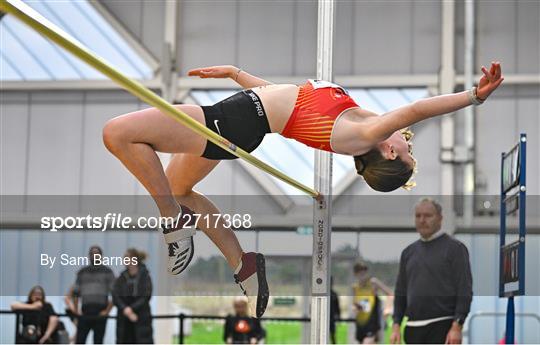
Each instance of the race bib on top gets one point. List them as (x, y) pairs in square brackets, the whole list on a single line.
[(321, 84)]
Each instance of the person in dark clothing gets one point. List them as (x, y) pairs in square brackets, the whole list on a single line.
[(39, 318), (335, 311), (131, 295), (93, 285), (241, 328), (434, 284)]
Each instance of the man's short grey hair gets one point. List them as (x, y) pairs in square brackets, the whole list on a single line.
[(433, 202)]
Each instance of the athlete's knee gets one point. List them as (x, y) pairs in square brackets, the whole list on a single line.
[(181, 190), (114, 136)]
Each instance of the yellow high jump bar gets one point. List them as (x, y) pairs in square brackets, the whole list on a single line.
[(40, 24)]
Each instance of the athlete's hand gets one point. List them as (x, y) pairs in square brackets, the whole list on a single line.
[(489, 81), (226, 71)]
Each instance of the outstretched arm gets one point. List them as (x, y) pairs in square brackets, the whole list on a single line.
[(383, 126), (240, 76)]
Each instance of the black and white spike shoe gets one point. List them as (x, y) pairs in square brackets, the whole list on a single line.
[(179, 240), (250, 275)]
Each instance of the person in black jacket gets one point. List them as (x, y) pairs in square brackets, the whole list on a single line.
[(39, 318), (434, 284), (241, 328), (131, 295)]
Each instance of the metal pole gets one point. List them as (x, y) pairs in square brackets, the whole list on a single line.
[(181, 329), (446, 85), (522, 210), (320, 284), (169, 52), (468, 116), (502, 231), (510, 321), (17, 323)]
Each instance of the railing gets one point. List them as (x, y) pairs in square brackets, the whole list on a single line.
[(181, 318), (478, 314)]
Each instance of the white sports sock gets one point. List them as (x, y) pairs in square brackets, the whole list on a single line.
[(238, 268)]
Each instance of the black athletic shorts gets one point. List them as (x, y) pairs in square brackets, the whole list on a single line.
[(241, 119)]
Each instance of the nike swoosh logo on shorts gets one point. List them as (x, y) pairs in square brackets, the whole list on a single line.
[(216, 124)]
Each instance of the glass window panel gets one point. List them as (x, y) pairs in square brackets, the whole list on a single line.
[(114, 38), (389, 98), (7, 72), (44, 51), (366, 100), (81, 21), (67, 16), (19, 55)]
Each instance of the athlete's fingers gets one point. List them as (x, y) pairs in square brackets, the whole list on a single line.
[(194, 71), (198, 71), (498, 71), (486, 73), (493, 68)]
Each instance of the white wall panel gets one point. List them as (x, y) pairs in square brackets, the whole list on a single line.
[(54, 157), (499, 121), (383, 37), (371, 37), (528, 37), (13, 144), (280, 38), (265, 42), (102, 173), (208, 34), (304, 44)]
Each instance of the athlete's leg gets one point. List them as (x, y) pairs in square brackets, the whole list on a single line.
[(184, 172), (135, 137)]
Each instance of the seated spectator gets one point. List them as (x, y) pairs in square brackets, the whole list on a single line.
[(39, 320), (131, 295), (241, 328)]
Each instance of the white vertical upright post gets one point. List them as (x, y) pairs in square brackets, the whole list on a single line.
[(468, 113), (447, 84), (320, 285)]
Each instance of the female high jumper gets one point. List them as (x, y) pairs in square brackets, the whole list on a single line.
[(318, 113)]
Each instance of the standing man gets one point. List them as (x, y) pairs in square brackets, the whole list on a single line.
[(93, 286), (434, 285)]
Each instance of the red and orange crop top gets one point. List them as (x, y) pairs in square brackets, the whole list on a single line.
[(318, 106)]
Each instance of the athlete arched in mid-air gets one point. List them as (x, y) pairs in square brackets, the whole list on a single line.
[(319, 114)]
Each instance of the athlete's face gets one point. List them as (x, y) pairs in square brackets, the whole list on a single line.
[(396, 146), (427, 219)]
